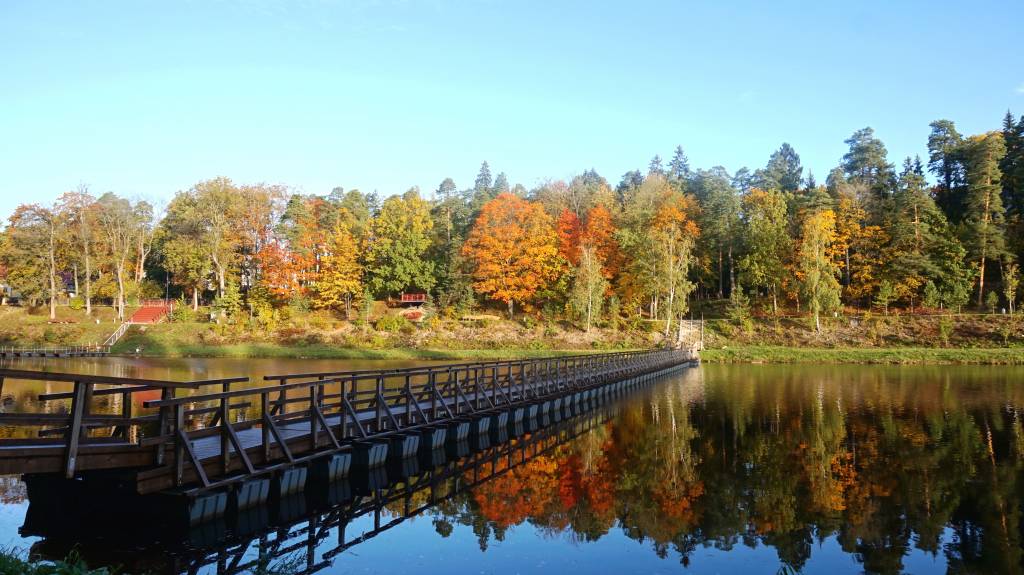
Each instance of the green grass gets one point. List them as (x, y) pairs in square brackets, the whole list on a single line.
[(893, 356), (13, 563), (173, 343), (20, 326)]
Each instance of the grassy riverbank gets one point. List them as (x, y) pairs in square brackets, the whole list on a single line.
[(889, 356), (323, 351), (852, 338), (315, 336)]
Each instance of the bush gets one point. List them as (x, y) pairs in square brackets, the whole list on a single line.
[(392, 323), (182, 312), (945, 329), (77, 303)]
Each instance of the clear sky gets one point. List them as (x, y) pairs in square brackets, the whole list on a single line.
[(145, 98)]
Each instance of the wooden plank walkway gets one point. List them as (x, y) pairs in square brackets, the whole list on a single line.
[(195, 439)]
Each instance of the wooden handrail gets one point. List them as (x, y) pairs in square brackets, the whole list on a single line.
[(110, 380), (236, 393), (443, 367)]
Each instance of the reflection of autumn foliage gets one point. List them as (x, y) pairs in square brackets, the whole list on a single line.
[(521, 493), (883, 467), (676, 502)]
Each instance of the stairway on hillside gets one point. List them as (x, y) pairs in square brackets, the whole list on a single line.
[(151, 312)]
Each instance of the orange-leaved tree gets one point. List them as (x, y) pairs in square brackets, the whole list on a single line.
[(283, 272), (599, 233), (514, 249), (569, 233)]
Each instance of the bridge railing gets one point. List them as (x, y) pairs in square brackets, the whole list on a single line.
[(335, 408), (95, 404), (213, 432)]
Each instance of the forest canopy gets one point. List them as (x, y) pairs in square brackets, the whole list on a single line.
[(945, 231)]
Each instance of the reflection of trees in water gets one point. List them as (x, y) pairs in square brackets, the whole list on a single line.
[(886, 464), (12, 490)]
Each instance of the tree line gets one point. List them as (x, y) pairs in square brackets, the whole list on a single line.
[(873, 234)]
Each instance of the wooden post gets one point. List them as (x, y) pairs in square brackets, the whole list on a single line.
[(179, 446), (165, 423), (225, 440), (313, 421), (380, 412), (432, 383), (264, 428), (74, 432)]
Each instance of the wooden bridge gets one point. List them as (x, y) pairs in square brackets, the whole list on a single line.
[(318, 526), (197, 436)]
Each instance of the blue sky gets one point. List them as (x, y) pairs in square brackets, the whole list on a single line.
[(146, 98)]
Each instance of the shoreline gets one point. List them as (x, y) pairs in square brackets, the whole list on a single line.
[(725, 355), (865, 355), (272, 351)]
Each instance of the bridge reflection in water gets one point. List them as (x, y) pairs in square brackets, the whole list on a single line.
[(824, 469), (302, 532)]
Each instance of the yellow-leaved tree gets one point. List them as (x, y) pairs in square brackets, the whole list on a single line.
[(816, 268), (341, 274)]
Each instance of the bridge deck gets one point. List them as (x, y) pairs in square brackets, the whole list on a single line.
[(210, 439)]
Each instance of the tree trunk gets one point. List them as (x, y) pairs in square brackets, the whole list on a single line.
[(120, 290), (511, 309), (981, 281), (721, 274), (732, 273), (195, 298), (53, 277), (88, 284)]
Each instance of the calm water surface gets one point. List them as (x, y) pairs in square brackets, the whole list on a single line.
[(721, 469)]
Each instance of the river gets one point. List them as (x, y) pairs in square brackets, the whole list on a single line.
[(719, 469)]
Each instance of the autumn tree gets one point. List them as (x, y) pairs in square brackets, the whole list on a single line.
[(570, 231), (599, 233), (217, 221), (32, 252), (514, 250), (340, 278), (588, 287), (79, 210), (816, 267), (121, 223), (674, 230)]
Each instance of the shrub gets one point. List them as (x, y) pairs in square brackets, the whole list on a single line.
[(183, 312), (391, 323), (945, 329), (77, 303)]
